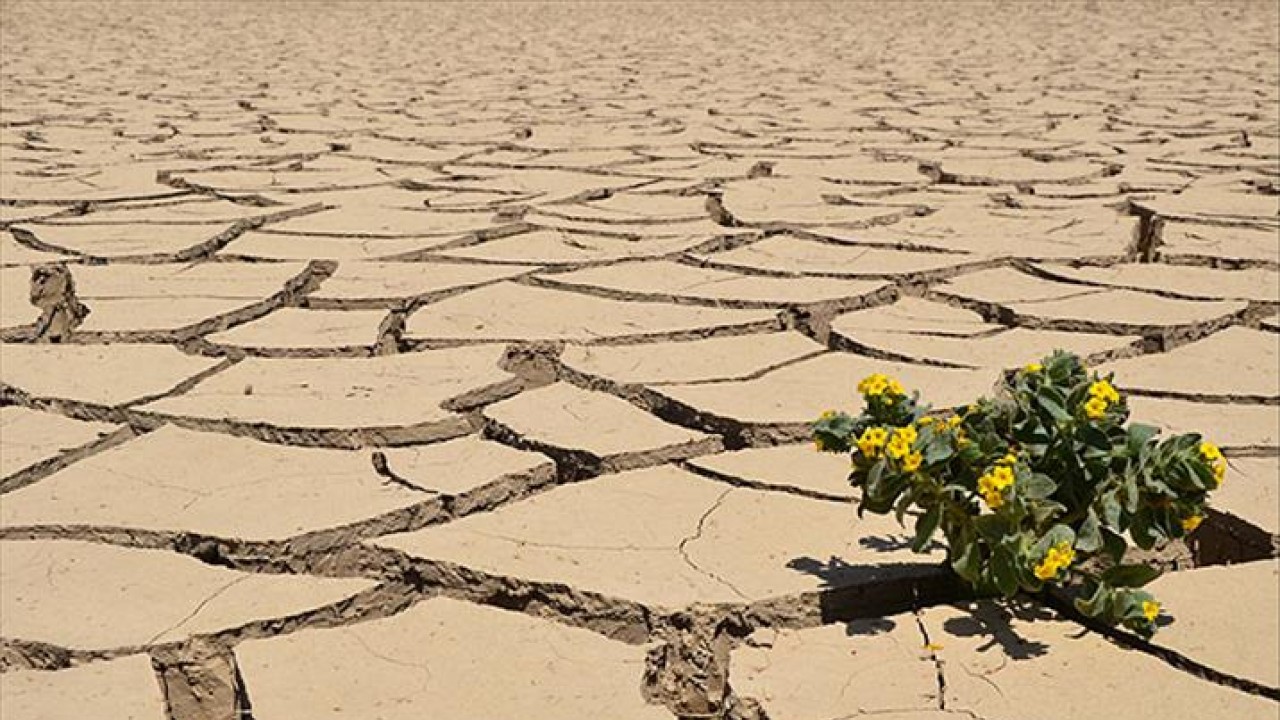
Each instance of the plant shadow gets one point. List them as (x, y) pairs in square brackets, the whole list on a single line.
[(864, 597), (894, 543), (992, 619)]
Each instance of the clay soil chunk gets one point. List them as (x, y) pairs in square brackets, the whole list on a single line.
[(1224, 617), (396, 391), (994, 666), (554, 247), (514, 312), (1000, 232), (174, 480), (1006, 668), (459, 466), (664, 279), (791, 254), (1258, 284), (170, 297), (123, 597), (122, 689), (960, 337), (789, 468), (16, 309), (365, 282), (658, 363), (116, 240), (1212, 241), (265, 246), (798, 201), (1121, 310), (368, 221), (878, 666), (449, 659), (102, 374), (563, 416), (305, 329), (666, 538), (800, 392), (1007, 171), (1235, 362), (28, 437), (1251, 492), (912, 315)]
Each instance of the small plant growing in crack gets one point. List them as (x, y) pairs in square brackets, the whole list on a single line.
[(1045, 484)]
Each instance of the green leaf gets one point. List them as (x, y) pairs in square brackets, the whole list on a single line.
[(1140, 435), (1130, 576), (1004, 571), (1051, 400), (1131, 495), (1038, 486), (1110, 508), (1096, 604), (1057, 534), (991, 528), (967, 561), (1046, 510), (1089, 536), (937, 449), (926, 525), (904, 502), (1113, 544), (1096, 442), (1143, 530)]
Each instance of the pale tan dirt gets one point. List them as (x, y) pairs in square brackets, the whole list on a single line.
[(457, 360)]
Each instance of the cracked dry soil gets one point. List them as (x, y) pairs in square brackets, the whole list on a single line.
[(385, 361)]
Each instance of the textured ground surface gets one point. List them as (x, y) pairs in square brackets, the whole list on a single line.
[(454, 361)]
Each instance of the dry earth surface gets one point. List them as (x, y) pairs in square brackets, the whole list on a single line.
[(454, 361)]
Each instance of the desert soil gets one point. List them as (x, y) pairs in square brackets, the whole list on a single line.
[(389, 361)]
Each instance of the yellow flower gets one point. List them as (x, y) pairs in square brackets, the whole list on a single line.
[(1105, 391), (880, 384), (1210, 452), (926, 421), (1059, 556), (1219, 473), (872, 440), (911, 463), (1095, 408), (954, 421), (898, 447), (818, 444), (1008, 459), (1150, 610), (907, 433), (872, 384), (1191, 523), (1032, 368), (993, 484), (827, 415)]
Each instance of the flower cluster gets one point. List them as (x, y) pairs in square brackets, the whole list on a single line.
[(878, 385), (1101, 397), (1044, 484), (1058, 558), (1213, 456), (996, 480)]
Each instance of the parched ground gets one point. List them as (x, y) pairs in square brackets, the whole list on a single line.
[(454, 361)]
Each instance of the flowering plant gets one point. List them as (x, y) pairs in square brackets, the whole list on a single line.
[(1044, 484)]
